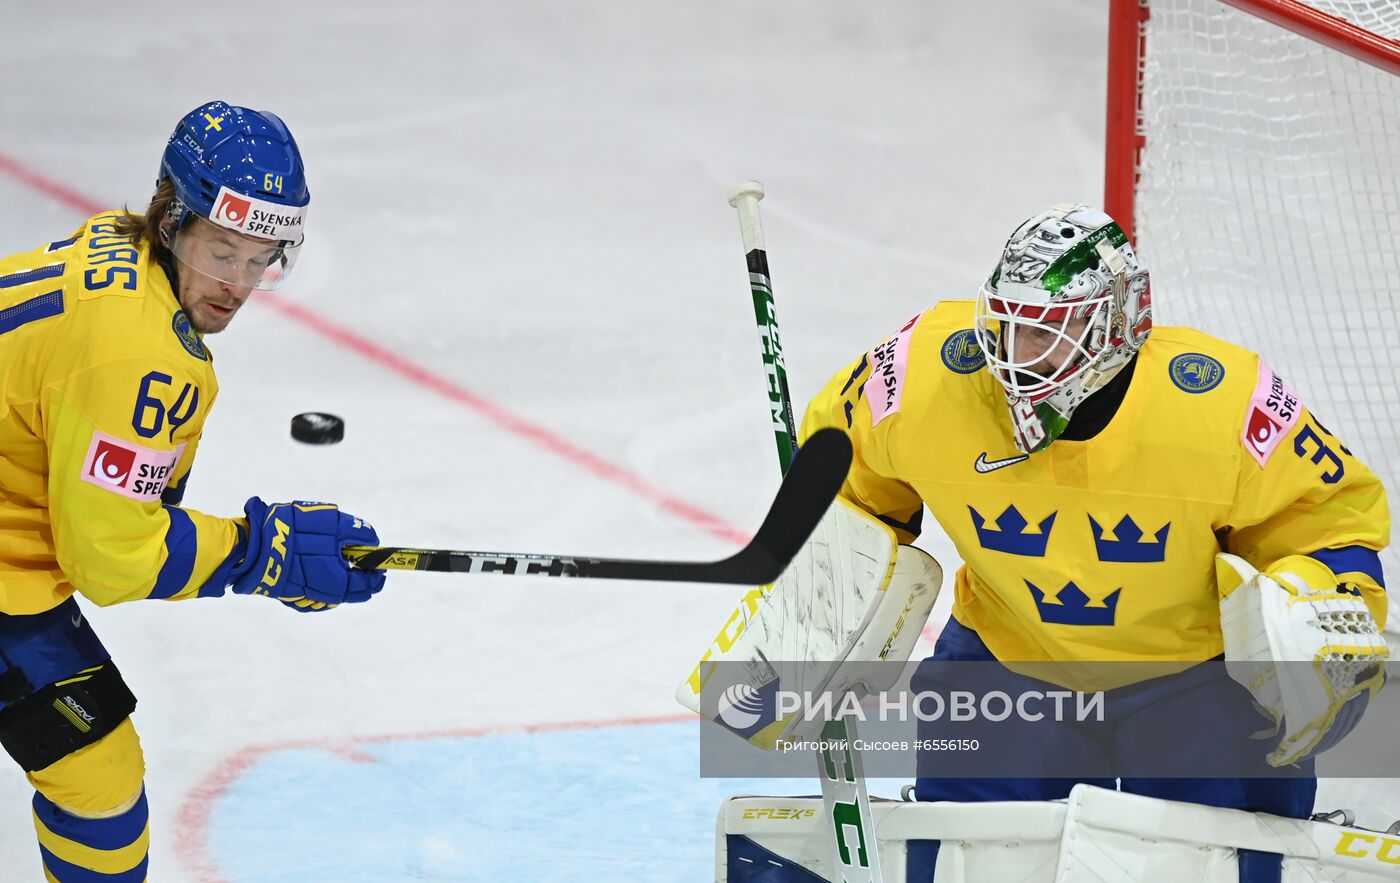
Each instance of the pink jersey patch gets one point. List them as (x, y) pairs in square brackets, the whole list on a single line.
[(127, 468), (1273, 411), (888, 363)]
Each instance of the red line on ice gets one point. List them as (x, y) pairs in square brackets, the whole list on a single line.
[(50, 188), (192, 820), (422, 377)]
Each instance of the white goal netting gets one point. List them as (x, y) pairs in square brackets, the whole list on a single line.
[(1268, 208)]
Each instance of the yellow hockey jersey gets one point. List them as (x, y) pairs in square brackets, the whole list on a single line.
[(104, 389), (1103, 549)]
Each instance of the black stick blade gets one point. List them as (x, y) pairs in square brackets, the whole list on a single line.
[(806, 494)]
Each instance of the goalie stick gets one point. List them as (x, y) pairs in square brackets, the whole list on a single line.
[(848, 822), (806, 493)]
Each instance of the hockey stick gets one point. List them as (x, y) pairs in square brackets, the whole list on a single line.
[(745, 197), (802, 500), (845, 800)]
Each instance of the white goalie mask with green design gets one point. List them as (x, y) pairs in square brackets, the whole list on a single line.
[(1064, 311)]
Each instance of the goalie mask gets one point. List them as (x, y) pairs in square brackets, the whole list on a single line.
[(1064, 311)]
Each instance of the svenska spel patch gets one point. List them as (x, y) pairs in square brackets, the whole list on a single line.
[(889, 362), (258, 217), (1273, 410), (129, 469)]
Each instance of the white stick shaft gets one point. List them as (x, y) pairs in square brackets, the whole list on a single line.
[(745, 197), (850, 825)]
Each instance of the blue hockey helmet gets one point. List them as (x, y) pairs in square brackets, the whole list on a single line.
[(240, 170)]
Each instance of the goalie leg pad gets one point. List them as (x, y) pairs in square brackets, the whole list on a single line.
[(1114, 836), (1097, 836)]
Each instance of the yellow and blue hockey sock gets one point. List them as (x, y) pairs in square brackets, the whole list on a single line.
[(92, 850)]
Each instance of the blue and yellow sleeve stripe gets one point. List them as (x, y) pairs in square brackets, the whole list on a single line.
[(198, 556)]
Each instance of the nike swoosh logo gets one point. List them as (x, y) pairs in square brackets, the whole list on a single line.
[(77, 621), (984, 465)]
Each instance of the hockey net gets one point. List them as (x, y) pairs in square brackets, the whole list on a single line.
[(1255, 149)]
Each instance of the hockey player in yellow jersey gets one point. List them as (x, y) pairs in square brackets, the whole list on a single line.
[(1090, 469), (105, 383)]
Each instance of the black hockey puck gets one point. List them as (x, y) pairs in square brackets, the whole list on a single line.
[(318, 429)]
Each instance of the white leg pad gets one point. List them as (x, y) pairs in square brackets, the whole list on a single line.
[(1096, 836), (1010, 841), (1111, 836)]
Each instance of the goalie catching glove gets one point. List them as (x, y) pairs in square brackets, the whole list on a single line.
[(293, 553), (1308, 650)]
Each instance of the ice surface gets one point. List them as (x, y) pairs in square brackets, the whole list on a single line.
[(522, 205)]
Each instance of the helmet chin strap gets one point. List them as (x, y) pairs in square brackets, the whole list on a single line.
[(1034, 427), (1026, 428)]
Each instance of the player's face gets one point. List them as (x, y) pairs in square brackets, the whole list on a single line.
[(218, 271), (1043, 352)]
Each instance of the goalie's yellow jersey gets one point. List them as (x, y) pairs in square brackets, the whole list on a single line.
[(104, 389), (1103, 549)]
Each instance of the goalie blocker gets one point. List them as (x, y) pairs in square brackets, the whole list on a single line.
[(852, 596)]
